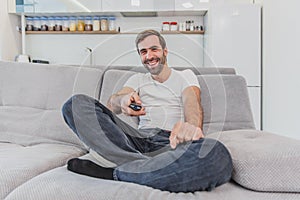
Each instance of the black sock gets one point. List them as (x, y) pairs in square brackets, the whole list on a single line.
[(89, 168)]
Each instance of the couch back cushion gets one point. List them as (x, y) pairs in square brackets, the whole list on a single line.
[(31, 97), (224, 98), (225, 103)]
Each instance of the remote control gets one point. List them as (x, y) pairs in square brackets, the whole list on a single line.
[(135, 107)]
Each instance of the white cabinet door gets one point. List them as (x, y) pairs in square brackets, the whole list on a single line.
[(127, 5), (67, 6), (164, 5), (190, 5)]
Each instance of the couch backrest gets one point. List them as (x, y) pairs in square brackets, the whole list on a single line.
[(196, 70), (225, 103), (224, 98), (31, 97)]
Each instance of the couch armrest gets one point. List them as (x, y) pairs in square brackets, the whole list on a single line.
[(263, 161)]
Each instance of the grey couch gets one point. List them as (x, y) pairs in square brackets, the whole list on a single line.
[(35, 143)]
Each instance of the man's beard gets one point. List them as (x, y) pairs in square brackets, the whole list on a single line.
[(158, 69)]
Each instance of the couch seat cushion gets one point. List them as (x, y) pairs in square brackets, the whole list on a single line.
[(61, 184), (18, 163), (263, 161)]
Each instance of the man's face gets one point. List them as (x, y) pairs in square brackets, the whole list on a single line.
[(152, 55)]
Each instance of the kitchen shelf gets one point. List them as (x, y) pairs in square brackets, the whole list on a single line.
[(109, 32), (182, 32), (72, 32)]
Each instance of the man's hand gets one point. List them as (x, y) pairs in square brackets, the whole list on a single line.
[(183, 132), (127, 100)]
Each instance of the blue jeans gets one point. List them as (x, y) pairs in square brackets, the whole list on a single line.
[(145, 156)]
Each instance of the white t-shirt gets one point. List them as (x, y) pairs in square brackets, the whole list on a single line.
[(162, 101)]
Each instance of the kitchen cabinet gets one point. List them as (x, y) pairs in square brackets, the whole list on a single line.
[(54, 6), (191, 5), (137, 5), (114, 7)]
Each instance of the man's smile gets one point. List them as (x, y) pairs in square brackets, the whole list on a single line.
[(152, 62)]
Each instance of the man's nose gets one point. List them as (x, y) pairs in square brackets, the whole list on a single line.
[(149, 55)]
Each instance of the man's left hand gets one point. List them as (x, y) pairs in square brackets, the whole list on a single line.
[(183, 132)]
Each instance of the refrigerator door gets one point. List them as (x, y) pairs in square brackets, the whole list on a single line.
[(233, 38)]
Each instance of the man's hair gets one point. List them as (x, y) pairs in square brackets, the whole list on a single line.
[(142, 35)]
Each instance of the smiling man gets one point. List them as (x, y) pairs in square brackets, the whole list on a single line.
[(168, 151)]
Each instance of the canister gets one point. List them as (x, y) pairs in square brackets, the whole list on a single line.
[(112, 23), (96, 23), (165, 26), (72, 23), (104, 24), (80, 25)]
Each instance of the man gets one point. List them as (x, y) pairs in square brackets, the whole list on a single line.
[(168, 151)]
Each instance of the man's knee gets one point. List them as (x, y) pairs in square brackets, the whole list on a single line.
[(74, 101)]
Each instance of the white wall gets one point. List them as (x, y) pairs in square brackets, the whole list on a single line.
[(281, 67), (10, 39), (117, 49)]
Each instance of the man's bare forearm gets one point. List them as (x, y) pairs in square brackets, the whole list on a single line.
[(193, 111), (195, 116)]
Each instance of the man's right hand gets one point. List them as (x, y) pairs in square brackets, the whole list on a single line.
[(127, 100)]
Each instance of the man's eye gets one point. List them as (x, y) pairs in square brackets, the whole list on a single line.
[(143, 52)]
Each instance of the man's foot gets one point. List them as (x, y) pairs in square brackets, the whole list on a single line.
[(89, 168)]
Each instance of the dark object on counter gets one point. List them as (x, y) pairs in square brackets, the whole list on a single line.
[(29, 27), (44, 28), (41, 61)]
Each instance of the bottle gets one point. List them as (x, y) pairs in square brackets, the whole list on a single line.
[(96, 23), (187, 25), (103, 24), (36, 24), (44, 24), (88, 26), (182, 26), (111, 23), (80, 25), (65, 24), (72, 23), (58, 24), (51, 23), (29, 24), (165, 26), (192, 28), (173, 26)]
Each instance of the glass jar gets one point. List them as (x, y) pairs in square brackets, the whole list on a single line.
[(65, 24), (58, 24), (187, 25), (96, 23), (72, 23), (36, 24), (44, 23), (51, 23), (173, 26), (88, 26), (112, 23), (192, 27), (165, 26), (80, 24), (29, 24), (182, 26), (103, 24)]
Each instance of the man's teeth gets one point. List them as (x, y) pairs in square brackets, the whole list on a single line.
[(152, 62)]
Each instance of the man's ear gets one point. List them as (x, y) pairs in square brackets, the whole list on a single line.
[(165, 51)]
